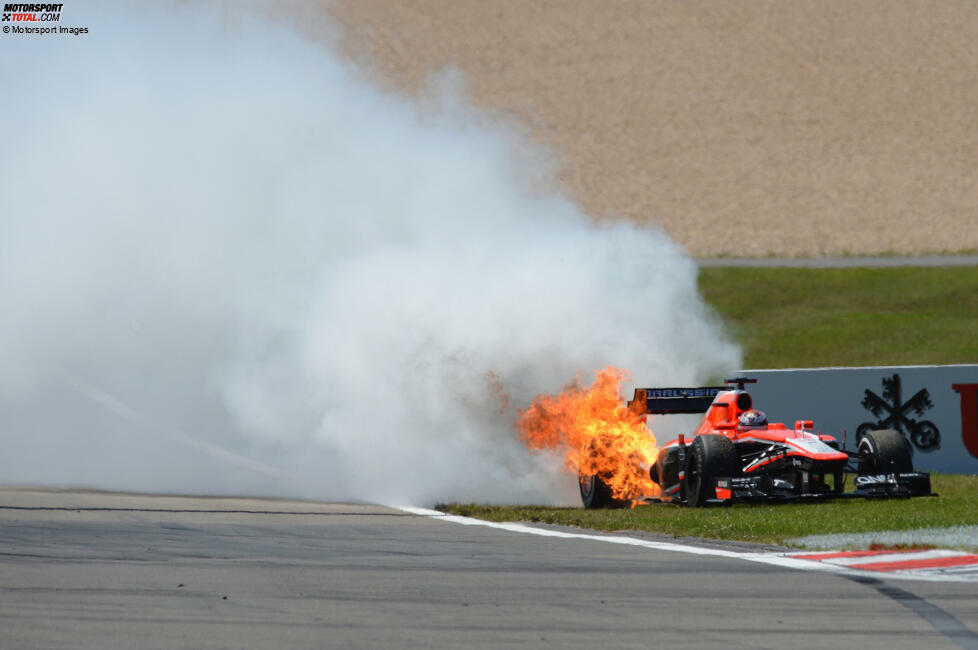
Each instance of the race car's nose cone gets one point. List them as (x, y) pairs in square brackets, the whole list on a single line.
[(816, 449)]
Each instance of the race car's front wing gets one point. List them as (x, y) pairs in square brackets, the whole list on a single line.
[(729, 490)]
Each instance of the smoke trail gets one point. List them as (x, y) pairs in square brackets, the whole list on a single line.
[(229, 237)]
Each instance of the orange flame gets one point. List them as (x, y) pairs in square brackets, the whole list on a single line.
[(596, 432)]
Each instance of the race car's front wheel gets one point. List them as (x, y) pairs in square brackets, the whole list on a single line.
[(710, 456), (884, 452), (595, 493)]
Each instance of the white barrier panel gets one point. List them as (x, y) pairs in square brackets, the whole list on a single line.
[(934, 407)]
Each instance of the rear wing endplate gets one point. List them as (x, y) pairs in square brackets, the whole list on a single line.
[(666, 401)]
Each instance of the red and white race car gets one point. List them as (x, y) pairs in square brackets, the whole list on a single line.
[(735, 454)]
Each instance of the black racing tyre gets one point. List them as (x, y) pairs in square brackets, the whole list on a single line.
[(665, 472), (863, 429), (710, 456), (884, 452), (595, 493)]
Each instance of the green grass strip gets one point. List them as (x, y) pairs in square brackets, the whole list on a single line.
[(762, 523), (797, 318)]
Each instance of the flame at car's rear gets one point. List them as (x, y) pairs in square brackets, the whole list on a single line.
[(596, 433)]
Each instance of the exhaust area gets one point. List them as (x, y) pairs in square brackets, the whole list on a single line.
[(231, 264)]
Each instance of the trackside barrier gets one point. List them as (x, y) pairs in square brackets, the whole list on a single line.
[(934, 407)]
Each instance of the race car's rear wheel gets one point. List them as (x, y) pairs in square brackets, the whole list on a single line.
[(884, 452), (710, 456), (665, 472), (595, 493)]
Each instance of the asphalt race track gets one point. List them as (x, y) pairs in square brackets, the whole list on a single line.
[(90, 569)]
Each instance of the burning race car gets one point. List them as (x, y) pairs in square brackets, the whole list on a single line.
[(735, 454)]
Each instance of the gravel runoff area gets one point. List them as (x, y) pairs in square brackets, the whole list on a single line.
[(795, 129), (960, 537)]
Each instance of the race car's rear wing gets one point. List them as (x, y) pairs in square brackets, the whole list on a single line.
[(666, 401)]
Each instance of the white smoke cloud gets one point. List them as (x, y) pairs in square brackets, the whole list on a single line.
[(229, 264)]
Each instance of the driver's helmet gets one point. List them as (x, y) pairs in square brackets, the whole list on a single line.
[(752, 418)]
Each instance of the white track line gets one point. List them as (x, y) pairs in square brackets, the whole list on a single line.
[(776, 559)]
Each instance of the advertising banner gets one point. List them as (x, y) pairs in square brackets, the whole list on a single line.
[(934, 407)]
